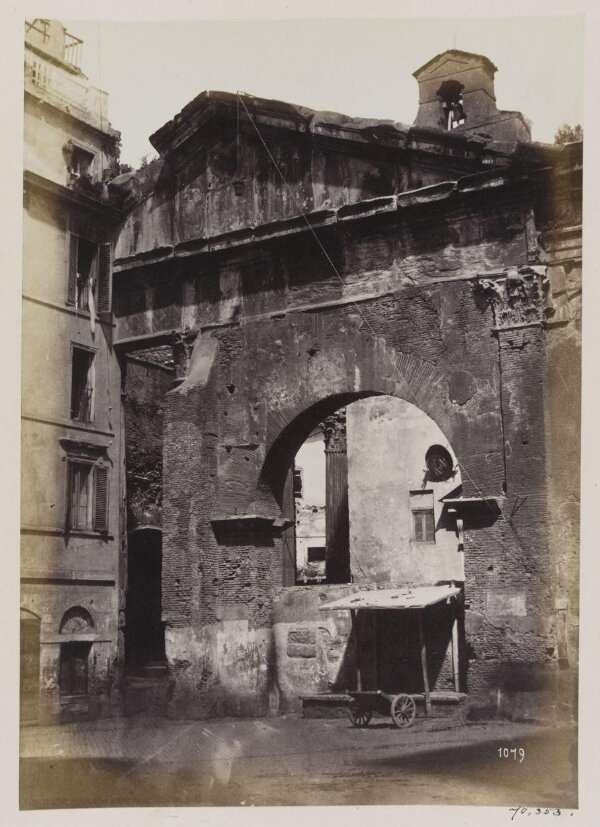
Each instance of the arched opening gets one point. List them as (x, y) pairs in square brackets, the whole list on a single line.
[(144, 629), (451, 96), (76, 620), (367, 486), (390, 467), (30, 625), (310, 498), (74, 661)]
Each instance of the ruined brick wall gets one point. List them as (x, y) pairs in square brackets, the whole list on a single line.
[(146, 380)]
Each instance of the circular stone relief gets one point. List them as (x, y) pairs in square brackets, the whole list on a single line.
[(440, 466)]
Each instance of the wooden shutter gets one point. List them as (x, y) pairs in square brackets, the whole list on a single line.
[(418, 523), (104, 277), (429, 526), (72, 269), (101, 503), (69, 496)]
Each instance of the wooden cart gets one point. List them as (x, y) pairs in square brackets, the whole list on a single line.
[(401, 706)]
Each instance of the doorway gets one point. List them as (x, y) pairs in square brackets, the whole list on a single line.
[(30, 666), (144, 630)]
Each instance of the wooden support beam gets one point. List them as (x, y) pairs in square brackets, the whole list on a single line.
[(424, 664), (374, 648), (356, 650), (455, 664)]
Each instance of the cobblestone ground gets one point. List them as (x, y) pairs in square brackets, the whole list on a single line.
[(293, 761)]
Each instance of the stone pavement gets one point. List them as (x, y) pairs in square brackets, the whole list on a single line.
[(290, 760)]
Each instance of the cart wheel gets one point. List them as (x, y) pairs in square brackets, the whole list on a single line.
[(359, 716), (403, 710)]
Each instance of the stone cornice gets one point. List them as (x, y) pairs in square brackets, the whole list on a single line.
[(448, 195), (64, 195), (197, 120)]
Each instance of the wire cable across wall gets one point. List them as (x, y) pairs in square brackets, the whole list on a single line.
[(399, 378)]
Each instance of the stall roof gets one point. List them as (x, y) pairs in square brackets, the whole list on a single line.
[(410, 598)]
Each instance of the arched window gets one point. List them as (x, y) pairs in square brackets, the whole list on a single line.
[(76, 620), (75, 654)]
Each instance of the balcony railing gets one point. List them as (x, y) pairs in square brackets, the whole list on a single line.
[(73, 50), (51, 36), (65, 91)]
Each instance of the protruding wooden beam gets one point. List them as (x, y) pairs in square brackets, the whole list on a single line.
[(374, 648), (424, 664), (356, 650), (455, 664)]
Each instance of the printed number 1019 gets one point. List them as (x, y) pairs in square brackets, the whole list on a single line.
[(514, 753)]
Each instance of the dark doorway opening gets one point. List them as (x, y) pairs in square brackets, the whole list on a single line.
[(144, 630), (399, 665), (30, 667), (74, 669)]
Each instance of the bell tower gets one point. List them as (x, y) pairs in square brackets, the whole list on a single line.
[(456, 94)]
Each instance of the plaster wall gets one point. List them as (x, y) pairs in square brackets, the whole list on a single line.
[(387, 442), (47, 130)]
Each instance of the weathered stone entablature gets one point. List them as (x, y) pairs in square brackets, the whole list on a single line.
[(218, 175), (227, 266)]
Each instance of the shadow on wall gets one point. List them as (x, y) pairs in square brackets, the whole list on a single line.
[(390, 655)]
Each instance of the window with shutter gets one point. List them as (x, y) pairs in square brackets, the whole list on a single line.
[(79, 501), (423, 516), (68, 496), (104, 277), (101, 505), (82, 384), (82, 274), (72, 273), (86, 496)]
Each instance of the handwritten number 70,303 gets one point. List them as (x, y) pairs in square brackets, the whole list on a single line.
[(539, 811)]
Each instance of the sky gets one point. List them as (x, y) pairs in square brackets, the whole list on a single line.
[(358, 67)]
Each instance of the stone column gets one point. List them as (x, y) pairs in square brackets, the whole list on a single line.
[(337, 527)]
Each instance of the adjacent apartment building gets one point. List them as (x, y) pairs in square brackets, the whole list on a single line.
[(71, 435)]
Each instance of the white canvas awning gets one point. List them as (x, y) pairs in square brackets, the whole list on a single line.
[(418, 597)]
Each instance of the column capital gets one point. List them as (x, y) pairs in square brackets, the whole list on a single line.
[(518, 296), (334, 431)]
